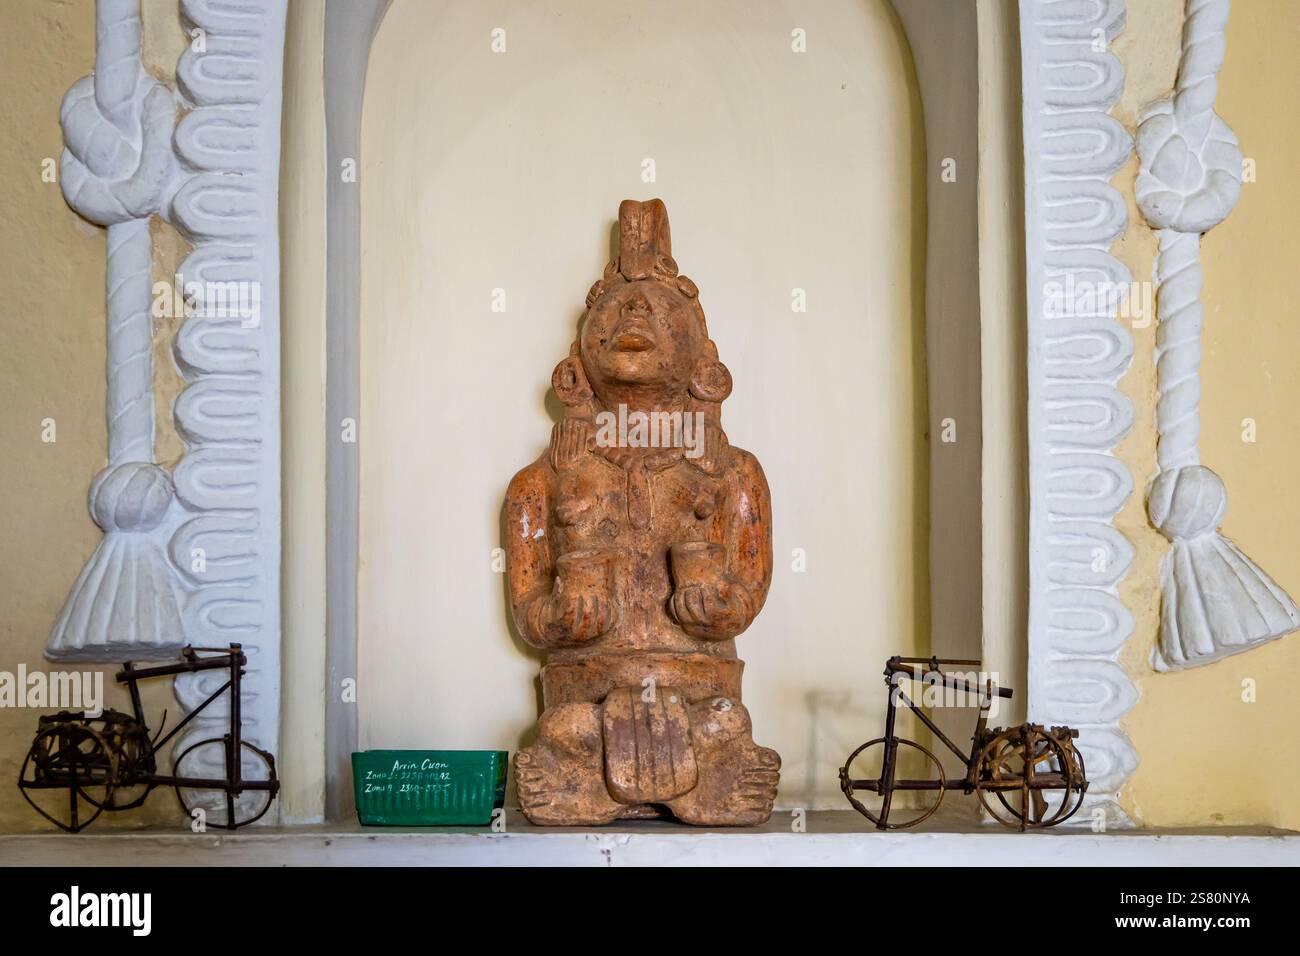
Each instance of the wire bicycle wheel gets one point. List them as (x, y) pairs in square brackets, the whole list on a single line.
[(218, 802), (862, 780), (67, 762), (1008, 768)]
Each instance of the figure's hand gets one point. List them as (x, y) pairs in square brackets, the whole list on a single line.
[(559, 619), (713, 612)]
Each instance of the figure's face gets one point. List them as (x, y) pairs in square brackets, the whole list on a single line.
[(641, 333)]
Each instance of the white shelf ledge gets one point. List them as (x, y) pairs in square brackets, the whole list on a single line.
[(832, 838)]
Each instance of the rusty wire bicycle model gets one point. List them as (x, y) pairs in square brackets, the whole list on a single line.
[(1028, 776), (110, 762)]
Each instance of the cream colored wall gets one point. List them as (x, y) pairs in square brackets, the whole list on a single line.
[(301, 761), (51, 366), (1207, 755), (1003, 331), (780, 170)]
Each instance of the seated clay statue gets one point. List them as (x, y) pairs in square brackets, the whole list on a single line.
[(639, 545)]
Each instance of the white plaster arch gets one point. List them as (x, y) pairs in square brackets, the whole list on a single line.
[(944, 51)]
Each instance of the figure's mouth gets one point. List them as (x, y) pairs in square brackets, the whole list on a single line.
[(632, 335)]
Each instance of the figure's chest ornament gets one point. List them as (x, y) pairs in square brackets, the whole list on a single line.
[(634, 471)]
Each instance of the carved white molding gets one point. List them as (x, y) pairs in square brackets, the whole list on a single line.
[(1215, 601), (192, 555), (117, 170), (1077, 352)]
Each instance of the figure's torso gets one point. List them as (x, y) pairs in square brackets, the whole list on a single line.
[(639, 508)]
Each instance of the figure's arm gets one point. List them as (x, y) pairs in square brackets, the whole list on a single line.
[(724, 610), (749, 535), (544, 617)]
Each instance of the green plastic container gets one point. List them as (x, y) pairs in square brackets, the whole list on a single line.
[(428, 788)]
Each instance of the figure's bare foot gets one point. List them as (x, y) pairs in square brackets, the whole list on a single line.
[(737, 778), (561, 778)]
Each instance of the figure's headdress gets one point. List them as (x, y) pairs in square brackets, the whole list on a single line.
[(645, 245)]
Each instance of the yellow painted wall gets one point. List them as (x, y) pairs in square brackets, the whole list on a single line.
[(1208, 757), (51, 367)]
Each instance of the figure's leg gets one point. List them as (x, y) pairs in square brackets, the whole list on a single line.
[(737, 778), (561, 778)]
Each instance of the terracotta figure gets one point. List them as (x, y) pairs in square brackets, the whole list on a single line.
[(639, 546)]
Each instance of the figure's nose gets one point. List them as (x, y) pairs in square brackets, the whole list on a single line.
[(633, 332), (637, 303)]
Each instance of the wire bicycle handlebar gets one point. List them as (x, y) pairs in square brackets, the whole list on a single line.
[(909, 666)]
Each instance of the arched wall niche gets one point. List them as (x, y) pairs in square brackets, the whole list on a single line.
[(813, 654)]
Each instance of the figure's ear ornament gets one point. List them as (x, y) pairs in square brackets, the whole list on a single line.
[(595, 292), (711, 381), (570, 382)]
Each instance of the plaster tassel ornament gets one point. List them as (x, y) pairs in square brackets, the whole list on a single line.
[(1216, 601), (117, 169), (636, 563)]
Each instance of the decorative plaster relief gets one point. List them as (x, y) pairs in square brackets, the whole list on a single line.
[(117, 170), (192, 555), (1077, 352), (1215, 600)]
